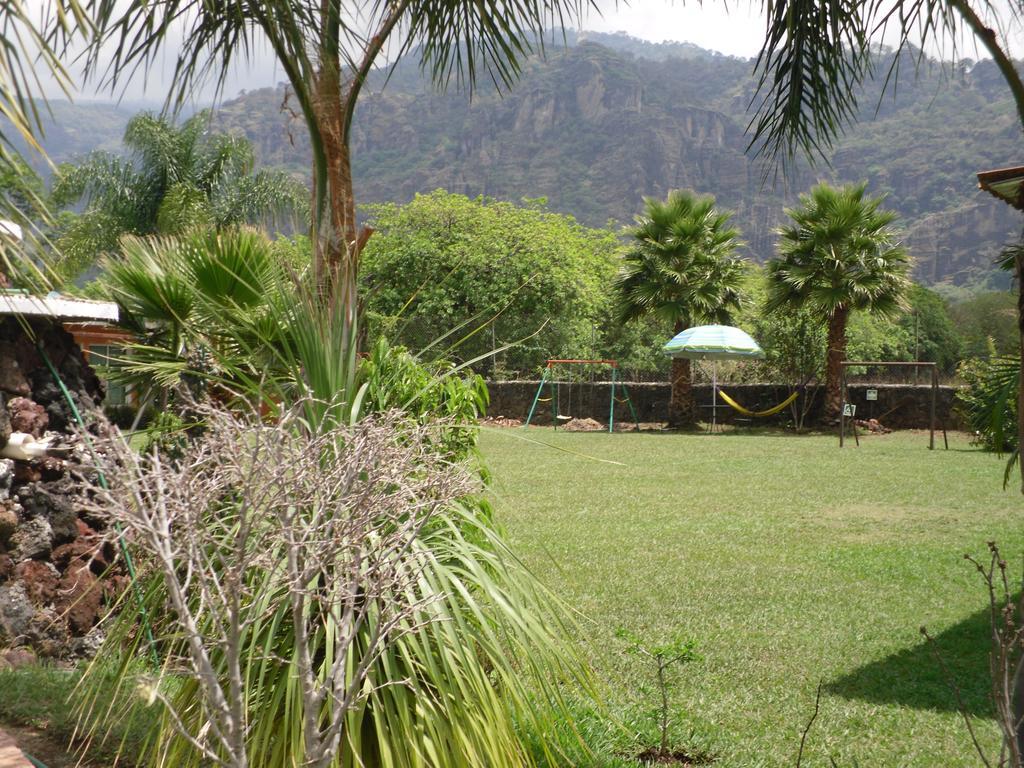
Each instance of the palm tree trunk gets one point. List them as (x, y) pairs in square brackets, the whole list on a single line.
[(336, 250), (836, 354), (680, 405)]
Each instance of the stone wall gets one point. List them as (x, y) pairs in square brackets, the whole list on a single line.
[(55, 567), (899, 406)]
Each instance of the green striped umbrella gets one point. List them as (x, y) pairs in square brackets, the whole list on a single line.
[(713, 342)]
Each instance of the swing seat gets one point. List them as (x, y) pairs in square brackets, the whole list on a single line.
[(562, 417)]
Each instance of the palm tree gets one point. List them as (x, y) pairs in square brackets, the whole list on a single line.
[(326, 50), (683, 269), (177, 178), (838, 254), (31, 38)]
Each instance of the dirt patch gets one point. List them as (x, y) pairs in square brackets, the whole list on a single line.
[(582, 425), (678, 757), (501, 421), (46, 748), (874, 523)]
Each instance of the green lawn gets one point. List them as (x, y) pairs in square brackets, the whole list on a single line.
[(790, 561)]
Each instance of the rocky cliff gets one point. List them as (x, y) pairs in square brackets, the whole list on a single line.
[(594, 130)]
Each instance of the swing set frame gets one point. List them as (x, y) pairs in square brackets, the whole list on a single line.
[(554, 385), (933, 373)]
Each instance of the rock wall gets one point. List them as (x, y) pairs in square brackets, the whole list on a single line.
[(899, 406), (55, 569)]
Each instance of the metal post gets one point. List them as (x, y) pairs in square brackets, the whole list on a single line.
[(931, 414), (536, 398), (714, 395), (842, 404), (632, 408), (556, 401), (611, 407)]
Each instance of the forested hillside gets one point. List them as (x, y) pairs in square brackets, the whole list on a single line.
[(596, 126), (595, 129)]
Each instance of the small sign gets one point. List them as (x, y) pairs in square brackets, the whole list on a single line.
[(849, 410), (872, 394)]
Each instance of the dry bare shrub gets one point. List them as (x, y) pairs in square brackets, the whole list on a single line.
[(278, 524)]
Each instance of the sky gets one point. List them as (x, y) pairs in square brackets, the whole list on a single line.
[(738, 32), (735, 29)]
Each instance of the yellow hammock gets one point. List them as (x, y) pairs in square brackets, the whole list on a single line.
[(770, 412)]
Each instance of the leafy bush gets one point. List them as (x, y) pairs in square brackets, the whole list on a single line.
[(481, 274), (989, 400), (435, 392)]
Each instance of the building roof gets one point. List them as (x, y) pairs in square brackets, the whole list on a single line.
[(10, 229), (1005, 183), (57, 306)]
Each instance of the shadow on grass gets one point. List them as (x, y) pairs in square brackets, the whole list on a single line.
[(913, 678)]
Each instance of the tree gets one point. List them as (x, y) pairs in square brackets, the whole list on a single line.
[(988, 317), (30, 42), (928, 323), (177, 178), (683, 269), (793, 343), (838, 254), (23, 204), (467, 277), (326, 50)]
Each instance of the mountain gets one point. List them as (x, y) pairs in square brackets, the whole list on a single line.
[(597, 125), (71, 130), (595, 128)]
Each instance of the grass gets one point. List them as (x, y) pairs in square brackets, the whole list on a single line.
[(792, 562), (40, 697)]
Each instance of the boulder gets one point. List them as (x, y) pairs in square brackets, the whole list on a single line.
[(6, 475), (18, 657), (8, 523), (27, 416), (33, 539), (39, 580), (79, 599), (82, 552), (12, 380), (5, 420), (89, 644), (27, 472), (16, 612), (38, 501)]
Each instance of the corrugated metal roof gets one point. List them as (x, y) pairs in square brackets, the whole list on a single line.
[(1005, 183), (55, 305)]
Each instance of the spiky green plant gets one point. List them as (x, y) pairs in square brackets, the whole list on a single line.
[(176, 178), (483, 671), (989, 400)]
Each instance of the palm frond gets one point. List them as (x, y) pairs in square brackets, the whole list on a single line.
[(839, 250), (682, 264)]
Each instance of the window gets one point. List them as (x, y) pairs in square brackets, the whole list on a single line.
[(104, 357)]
